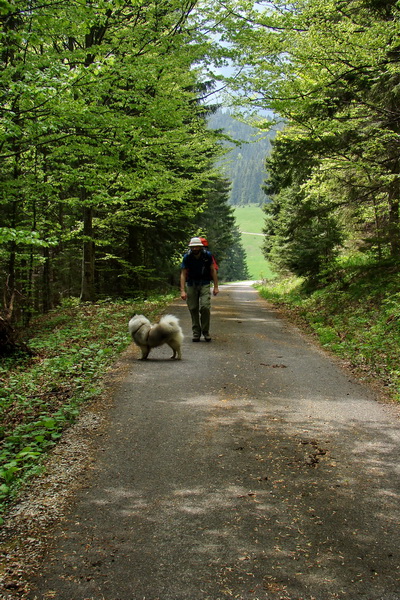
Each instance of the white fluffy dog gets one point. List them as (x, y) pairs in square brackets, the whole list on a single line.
[(148, 336)]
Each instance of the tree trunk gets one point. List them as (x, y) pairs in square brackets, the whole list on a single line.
[(88, 288), (9, 341), (394, 220), (47, 303), (10, 290)]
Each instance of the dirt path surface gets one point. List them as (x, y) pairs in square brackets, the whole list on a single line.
[(255, 468)]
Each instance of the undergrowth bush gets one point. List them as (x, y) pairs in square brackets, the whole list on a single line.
[(41, 395), (355, 314)]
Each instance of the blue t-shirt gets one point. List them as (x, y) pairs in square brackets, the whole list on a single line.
[(199, 269)]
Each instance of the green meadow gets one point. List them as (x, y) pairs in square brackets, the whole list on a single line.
[(250, 220)]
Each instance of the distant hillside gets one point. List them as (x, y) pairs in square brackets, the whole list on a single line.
[(250, 220), (244, 165)]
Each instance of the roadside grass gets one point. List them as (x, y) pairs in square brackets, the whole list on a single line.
[(250, 219), (356, 315), (41, 395)]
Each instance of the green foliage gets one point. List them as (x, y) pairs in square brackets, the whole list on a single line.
[(330, 71), (302, 235), (355, 315), (104, 147), (42, 395), (234, 266)]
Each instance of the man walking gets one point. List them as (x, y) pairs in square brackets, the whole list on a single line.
[(197, 272)]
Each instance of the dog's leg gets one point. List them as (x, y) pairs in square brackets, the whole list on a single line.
[(177, 351), (145, 352)]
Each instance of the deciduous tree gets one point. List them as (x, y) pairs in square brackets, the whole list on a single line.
[(103, 143), (330, 70)]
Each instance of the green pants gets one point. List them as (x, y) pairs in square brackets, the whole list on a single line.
[(199, 305)]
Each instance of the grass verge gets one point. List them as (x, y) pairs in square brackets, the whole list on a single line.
[(41, 395), (355, 315)]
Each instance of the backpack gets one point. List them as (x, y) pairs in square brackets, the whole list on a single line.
[(200, 269)]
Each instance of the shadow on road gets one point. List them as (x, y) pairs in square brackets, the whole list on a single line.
[(255, 468)]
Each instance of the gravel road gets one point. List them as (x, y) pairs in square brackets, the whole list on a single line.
[(256, 468)]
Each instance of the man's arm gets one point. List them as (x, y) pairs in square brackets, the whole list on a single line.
[(214, 277), (183, 283)]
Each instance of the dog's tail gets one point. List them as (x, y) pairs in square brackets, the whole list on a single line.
[(171, 321)]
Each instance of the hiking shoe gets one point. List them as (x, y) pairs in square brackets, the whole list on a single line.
[(195, 339), (207, 337)]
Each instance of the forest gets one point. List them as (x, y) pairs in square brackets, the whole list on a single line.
[(244, 165), (329, 70), (109, 164)]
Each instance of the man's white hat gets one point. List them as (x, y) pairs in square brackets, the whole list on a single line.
[(196, 241)]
